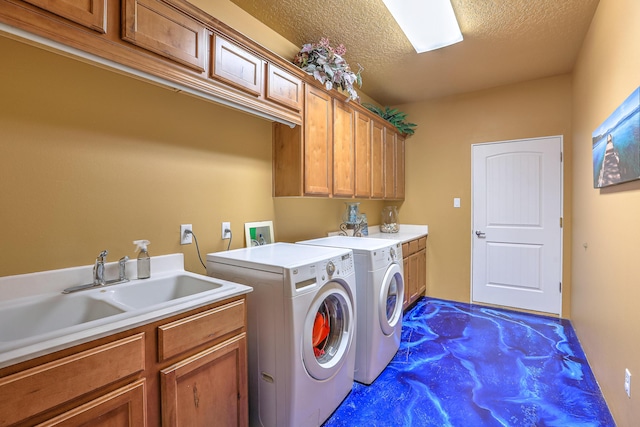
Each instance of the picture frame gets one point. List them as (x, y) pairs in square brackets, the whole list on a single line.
[(616, 145), (258, 233)]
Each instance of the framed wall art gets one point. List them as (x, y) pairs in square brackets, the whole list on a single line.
[(258, 233), (616, 145)]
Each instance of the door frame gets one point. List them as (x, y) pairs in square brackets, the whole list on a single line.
[(471, 234)]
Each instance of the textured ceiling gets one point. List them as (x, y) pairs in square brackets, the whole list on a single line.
[(505, 41)]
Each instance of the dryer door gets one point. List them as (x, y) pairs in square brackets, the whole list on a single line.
[(390, 299), (328, 331)]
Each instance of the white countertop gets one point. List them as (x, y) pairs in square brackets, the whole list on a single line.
[(406, 232), (21, 290)]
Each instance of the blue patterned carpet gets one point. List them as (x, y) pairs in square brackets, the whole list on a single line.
[(465, 365)]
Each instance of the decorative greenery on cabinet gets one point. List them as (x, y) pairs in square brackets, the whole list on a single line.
[(393, 116)]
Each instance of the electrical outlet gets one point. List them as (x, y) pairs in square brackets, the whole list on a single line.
[(226, 234), (186, 238), (627, 382)]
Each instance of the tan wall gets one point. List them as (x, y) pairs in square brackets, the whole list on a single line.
[(606, 288), (90, 159), (438, 164)]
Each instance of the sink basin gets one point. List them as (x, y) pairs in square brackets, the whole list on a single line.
[(33, 317), (149, 292), (37, 319), (51, 313)]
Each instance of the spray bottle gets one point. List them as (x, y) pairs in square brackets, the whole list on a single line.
[(144, 262)]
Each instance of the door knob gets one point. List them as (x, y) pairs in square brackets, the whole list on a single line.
[(480, 234)]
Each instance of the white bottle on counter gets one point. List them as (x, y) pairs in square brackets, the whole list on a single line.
[(144, 261)]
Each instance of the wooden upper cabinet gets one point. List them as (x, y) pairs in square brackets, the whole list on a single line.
[(284, 88), (340, 151), (362, 155), (389, 163), (236, 66), (159, 28), (399, 176), (343, 149), (377, 160), (318, 135), (88, 13), (288, 161)]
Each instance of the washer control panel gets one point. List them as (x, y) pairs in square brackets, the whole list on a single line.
[(338, 267), (382, 257), (310, 276)]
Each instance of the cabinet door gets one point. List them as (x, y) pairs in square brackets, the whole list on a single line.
[(399, 175), (377, 160), (422, 273), (236, 66), (343, 150), (414, 274), (57, 382), (208, 389), (284, 88), (389, 163), (124, 407), (407, 281), (318, 133), (89, 13), (363, 155), (162, 29)]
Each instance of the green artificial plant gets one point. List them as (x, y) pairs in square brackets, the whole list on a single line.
[(393, 116)]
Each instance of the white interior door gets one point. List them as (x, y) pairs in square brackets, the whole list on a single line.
[(517, 225)]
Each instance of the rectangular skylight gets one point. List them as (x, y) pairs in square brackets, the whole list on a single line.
[(428, 24)]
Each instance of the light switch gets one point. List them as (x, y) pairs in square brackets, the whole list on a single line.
[(456, 202)]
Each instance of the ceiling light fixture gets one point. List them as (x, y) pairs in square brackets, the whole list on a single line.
[(428, 24)]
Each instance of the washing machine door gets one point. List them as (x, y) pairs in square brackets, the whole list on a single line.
[(390, 299), (328, 331)]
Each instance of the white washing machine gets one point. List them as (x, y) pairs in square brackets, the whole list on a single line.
[(301, 329), (380, 293)]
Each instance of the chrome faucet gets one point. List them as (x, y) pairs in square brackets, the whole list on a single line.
[(99, 274), (121, 268), (98, 268)]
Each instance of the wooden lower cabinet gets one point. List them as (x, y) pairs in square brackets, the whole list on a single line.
[(124, 407), (414, 257), (186, 370), (208, 388)]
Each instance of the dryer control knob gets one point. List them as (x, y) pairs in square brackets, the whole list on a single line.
[(331, 268), (393, 253)]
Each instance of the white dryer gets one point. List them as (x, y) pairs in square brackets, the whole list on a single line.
[(380, 293), (301, 329)]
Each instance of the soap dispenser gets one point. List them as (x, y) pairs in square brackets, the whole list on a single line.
[(144, 262)]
